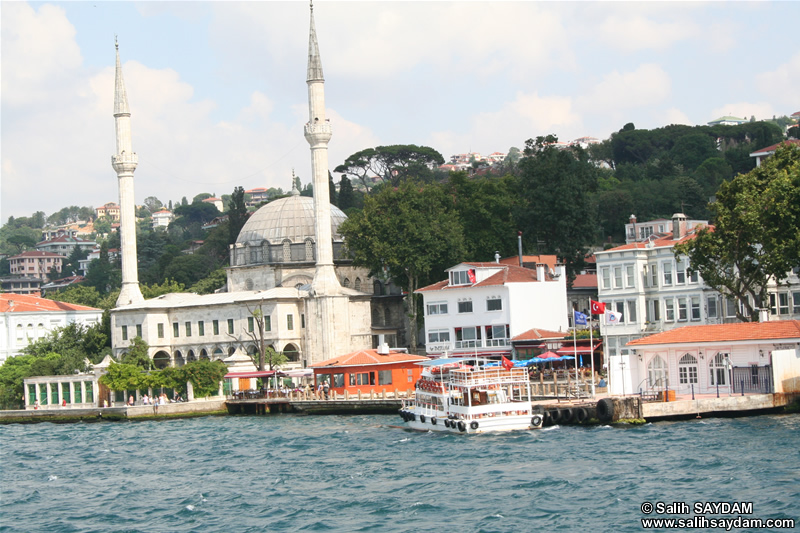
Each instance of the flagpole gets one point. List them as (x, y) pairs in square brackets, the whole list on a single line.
[(575, 345), (591, 351)]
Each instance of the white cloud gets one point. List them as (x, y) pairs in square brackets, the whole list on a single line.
[(39, 52), (781, 85), (760, 110), (648, 85), (498, 130), (674, 116), (630, 32)]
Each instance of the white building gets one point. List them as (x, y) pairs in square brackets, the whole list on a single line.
[(482, 306), (724, 358), (162, 218), (25, 319), (288, 263), (652, 290)]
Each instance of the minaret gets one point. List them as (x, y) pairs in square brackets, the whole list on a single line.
[(124, 163), (318, 133)]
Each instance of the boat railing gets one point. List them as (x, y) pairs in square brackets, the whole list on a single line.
[(488, 376)]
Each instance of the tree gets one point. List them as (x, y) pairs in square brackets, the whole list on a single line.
[(123, 376), (392, 164), (486, 207), (137, 355), (348, 198), (413, 232), (102, 275), (557, 210), (211, 283), (153, 204), (205, 376), (237, 214), (756, 235)]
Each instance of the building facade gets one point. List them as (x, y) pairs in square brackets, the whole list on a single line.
[(35, 264), (722, 358), (482, 306), (27, 318)]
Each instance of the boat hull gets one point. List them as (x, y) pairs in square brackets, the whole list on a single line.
[(485, 425)]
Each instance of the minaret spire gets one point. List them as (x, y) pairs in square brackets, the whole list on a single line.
[(318, 133), (124, 163)]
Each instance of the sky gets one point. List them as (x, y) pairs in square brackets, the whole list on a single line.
[(218, 96)]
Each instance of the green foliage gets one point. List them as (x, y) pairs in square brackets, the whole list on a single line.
[(122, 376), (557, 211), (486, 210), (189, 269), (413, 231), (168, 287), (64, 351), (392, 164), (211, 283), (756, 234), (237, 214), (136, 354), (205, 376)]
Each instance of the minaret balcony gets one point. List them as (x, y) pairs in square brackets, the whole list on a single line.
[(318, 131), (124, 161)]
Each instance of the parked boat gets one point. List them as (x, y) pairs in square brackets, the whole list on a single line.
[(459, 398)]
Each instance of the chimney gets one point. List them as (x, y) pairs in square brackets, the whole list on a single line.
[(632, 221), (763, 314), (540, 271), (519, 246), (561, 271), (678, 226), (383, 348), (497, 257)]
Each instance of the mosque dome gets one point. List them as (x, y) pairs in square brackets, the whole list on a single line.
[(289, 218)]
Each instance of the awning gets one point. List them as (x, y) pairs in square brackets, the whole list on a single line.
[(581, 350), (264, 374), (300, 373)]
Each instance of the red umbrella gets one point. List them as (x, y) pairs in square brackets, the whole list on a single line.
[(548, 355)]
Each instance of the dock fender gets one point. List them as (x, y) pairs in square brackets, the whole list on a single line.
[(581, 414), (462, 426), (536, 420), (605, 410), (433, 420), (566, 415), (473, 425), (447, 422), (422, 418), (546, 418), (555, 415)]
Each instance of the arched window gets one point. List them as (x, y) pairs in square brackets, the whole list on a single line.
[(218, 353), (357, 285), (309, 250), (657, 373), (204, 354), (190, 356), (687, 369), (20, 332), (346, 282), (179, 361), (718, 372), (287, 251)]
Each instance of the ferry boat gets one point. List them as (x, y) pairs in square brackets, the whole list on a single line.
[(459, 398)]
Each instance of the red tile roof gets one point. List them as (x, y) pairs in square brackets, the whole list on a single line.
[(743, 331), (662, 241), (549, 260), (26, 303), (369, 357), (537, 334), (507, 274), (585, 281), (771, 149), (36, 253)]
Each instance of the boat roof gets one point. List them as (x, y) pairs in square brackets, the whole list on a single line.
[(452, 361)]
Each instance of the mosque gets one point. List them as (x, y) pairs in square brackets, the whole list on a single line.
[(290, 284)]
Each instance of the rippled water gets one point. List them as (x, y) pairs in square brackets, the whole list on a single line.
[(359, 473)]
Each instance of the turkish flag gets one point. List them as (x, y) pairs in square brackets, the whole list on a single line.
[(507, 363), (597, 308)]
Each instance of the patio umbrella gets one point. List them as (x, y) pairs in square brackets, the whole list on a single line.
[(548, 355), (566, 358)]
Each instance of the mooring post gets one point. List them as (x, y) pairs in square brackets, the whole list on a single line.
[(692, 391)]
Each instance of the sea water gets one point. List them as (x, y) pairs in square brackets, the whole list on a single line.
[(362, 473)]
